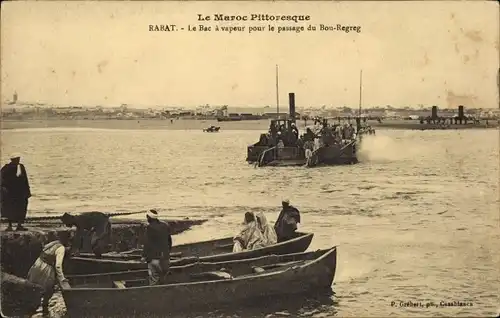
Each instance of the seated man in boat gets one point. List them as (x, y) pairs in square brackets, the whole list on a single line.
[(268, 233), (97, 224), (249, 236), (47, 271), (156, 251), (287, 221)]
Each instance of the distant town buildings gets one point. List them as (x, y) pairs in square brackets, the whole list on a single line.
[(40, 111)]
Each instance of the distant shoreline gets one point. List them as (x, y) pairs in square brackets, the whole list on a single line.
[(196, 124)]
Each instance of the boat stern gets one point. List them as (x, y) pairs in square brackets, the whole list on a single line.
[(253, 152)]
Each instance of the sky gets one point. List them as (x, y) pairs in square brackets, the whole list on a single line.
[(101, 53)]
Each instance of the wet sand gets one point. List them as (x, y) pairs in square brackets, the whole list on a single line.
[(194, 124), (137, 124)]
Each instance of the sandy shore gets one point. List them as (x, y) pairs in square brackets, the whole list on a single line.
[(191, 124), (153, 124)]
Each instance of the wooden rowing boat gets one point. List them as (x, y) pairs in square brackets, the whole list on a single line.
[(89, 280), (200, 285), (208, 251)]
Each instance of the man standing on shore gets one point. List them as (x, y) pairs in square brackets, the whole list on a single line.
[(157, 248), (15, 192)]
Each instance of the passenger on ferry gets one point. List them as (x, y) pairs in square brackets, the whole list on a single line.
[(268, 233), (287, 221), (338, 134), (249, 236), (329, 138), (263, 140), (273, 129), (309, 135), (318, 143), (300, 142), (295, 130), (323, 129), (47, 271), (308, 139), (348, 131), (272, 140), (95, 224), (157, 248), (280, 144), (308, 154), (291, 140)]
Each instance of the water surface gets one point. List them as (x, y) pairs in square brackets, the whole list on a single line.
[(416, 221)]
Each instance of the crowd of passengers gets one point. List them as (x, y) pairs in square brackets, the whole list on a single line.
[(327, 135)]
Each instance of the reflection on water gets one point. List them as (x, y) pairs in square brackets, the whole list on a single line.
[(294, 306), (416, 220), (312, 305)]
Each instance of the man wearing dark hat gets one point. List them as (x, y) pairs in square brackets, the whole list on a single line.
[(96, 224), (287, 221), (157, 246), (15, 192)]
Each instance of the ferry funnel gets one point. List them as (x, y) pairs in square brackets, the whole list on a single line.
[(291, 103), (434, 113), (461, 111)]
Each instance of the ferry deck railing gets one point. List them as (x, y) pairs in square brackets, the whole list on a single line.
[(266, 153), (276, 153)]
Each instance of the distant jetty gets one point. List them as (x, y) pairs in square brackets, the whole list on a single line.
[(436, 122), (416, 125)]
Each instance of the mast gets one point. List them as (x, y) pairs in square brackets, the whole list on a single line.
[(277, 94), (360, 91)]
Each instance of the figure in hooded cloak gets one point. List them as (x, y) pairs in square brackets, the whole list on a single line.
[(15, 192), (287, 221), (249, 236), (268, 233)]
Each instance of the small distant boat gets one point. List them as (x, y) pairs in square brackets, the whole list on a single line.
[(201, 285), (212, 129), (208, 251)]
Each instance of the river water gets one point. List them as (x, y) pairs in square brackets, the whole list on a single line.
[(416, 221)]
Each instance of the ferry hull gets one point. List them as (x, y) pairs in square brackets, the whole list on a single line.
[(295, 156)]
